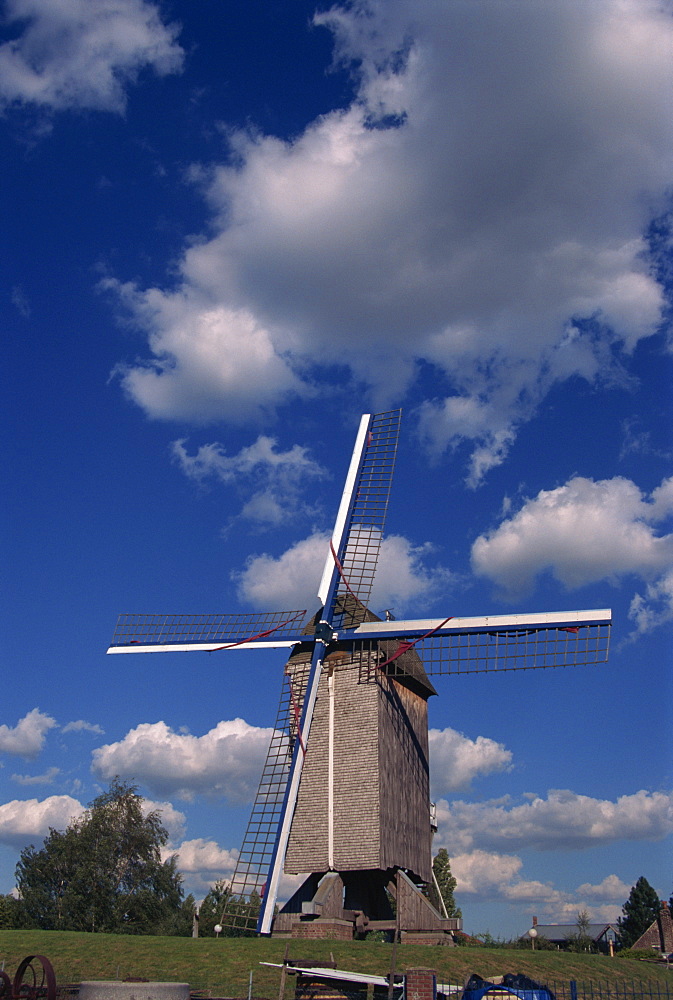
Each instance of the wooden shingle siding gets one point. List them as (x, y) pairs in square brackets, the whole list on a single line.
[(356, 770), (404, 779), (381, 794), (356, 814)]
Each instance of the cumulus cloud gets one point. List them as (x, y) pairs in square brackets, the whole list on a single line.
[(655, 606), (611, 889), (563, 820), (488, 875), (203, 862), (37, 779), (404, 579), (482, 872), (78, 54), (174, 820), (586, 531), (456, 760), (274, 479), (480, 206), (205, 858), (292, 579), (81, 726), (27, 821), (499, 877), (226, 761), (210, 361), (26, 738)]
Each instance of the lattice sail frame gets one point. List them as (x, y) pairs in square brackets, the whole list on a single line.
[(358, 533), (209, 633), (492, 652)]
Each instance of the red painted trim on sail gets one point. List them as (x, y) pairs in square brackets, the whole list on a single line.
[(259, 635), (404, 647)]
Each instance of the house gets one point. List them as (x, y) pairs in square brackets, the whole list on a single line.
[(659, 934), (602, 935)]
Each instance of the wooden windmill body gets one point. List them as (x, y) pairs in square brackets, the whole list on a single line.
[(363, 804), (374, 811), (344, 794)]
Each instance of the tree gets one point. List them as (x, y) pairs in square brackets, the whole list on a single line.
[(445, 883), (104, 872), (581, 941), (181, 921), (640, 910), (11, 913), (237, 915), (212, 907)]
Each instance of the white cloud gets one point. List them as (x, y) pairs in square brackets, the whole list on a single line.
[(487, 188), (655, 607), (607, 913), (276, 478), (562, 821), (456, 760), (291, 580), (26, 738), (482, 872), (499, 877), (171, 818), (81, 726), (206, 858), (586, 531), (226, 761), (403, 578), (20, 300), (28, 820), (203, 862), (37, 779), (532, 891), (79, 54), (611, 889), (210, 361), (638, 441)]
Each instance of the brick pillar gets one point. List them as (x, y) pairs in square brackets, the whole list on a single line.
[(666, 927), (420, 984)]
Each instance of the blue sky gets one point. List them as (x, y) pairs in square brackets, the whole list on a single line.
[(229, 229)]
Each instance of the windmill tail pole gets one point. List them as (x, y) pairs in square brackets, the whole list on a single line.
[(442, 904)]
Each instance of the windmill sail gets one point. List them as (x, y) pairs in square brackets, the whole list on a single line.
[(206, 633), (355, 545), (486, 643)]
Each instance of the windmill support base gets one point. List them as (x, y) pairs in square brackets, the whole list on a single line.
[(346, 905)]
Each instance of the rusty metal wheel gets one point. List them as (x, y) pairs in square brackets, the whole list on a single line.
[(33, 982)]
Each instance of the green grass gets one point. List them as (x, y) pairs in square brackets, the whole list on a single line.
[(222, 966)]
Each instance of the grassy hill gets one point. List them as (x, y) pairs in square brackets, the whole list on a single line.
[(221, 967)]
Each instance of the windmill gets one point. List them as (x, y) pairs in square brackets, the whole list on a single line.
[(344, 793)]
